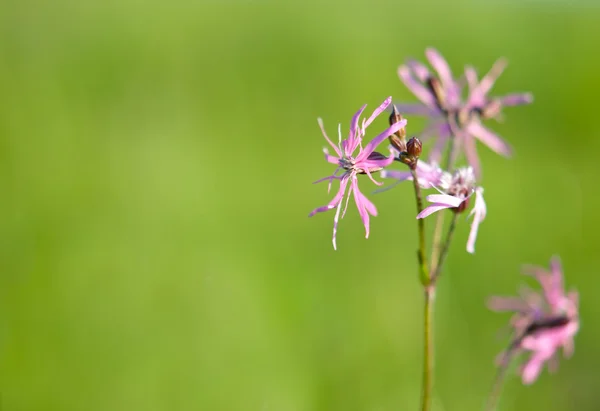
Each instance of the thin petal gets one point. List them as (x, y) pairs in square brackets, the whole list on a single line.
[(532, 368), (353, 139), (334, 202), (331, 159), (336, 218), (363, 205), (336, 148), (432, 209), (516, 99), (440, 65), (375, 164), (419, 69), (446, 199), (418, 89), (417, 110), (471, 154), (398, 175), (490, 139), (378, 111), (369, 148), (487, 82), (479, 212), (443, 69), (476, 97)]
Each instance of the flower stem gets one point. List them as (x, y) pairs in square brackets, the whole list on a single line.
[(439, 222), (423, 272), (494, 397), (427, 348), (435, 272), (425, 277)]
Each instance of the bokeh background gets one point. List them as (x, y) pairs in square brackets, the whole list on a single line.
[(156, 161)]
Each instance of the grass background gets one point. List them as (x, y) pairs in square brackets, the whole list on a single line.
[(156, 161)]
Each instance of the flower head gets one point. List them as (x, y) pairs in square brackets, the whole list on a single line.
[(542, 322), (350, 164), (455, 192), (450, 114)]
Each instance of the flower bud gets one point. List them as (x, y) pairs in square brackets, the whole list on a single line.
[(398, 139), (414, 147)]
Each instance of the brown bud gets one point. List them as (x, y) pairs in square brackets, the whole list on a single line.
[(398, 139), (414, 147), (395, 117)]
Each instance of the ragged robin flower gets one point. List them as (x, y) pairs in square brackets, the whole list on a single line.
[(450, 114), (455, 193), (350, 165), (542, 322)]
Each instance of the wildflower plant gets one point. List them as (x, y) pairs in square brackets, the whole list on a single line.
[(449, 184)]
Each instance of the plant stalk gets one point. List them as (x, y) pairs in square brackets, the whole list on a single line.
[(425, 277)]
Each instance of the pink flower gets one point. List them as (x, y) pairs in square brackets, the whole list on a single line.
[(451, 115), (366, 161), (543, 322), (455, 193)]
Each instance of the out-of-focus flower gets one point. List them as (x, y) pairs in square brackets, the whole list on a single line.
[(450, 114), (366, 161), (542, 322), (455, 193)]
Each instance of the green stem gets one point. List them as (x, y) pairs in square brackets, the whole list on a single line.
[(427, 348), (425, 278), (423, 272), (494, 397), (439, 222), (435, 272)]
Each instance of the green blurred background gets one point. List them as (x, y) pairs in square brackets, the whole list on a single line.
[(156, 161)]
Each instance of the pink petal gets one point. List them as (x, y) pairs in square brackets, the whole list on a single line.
[(378, 111), (432, 209), (331, 159), (334, 202), (420, 70), (364, 207), (353, 139), (516, 99), (336, 148), (418, 89), (398, 175), (446, 199), (336, 218), (486, 83), (532, 368), (417, 110), (471, 154), (443, 69), (479, 211), (441, 66), (489, 139), (369, 148)]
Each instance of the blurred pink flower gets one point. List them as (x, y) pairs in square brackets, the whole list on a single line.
[(451, 115), (543, 322), (455, 193), (366, 161)]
